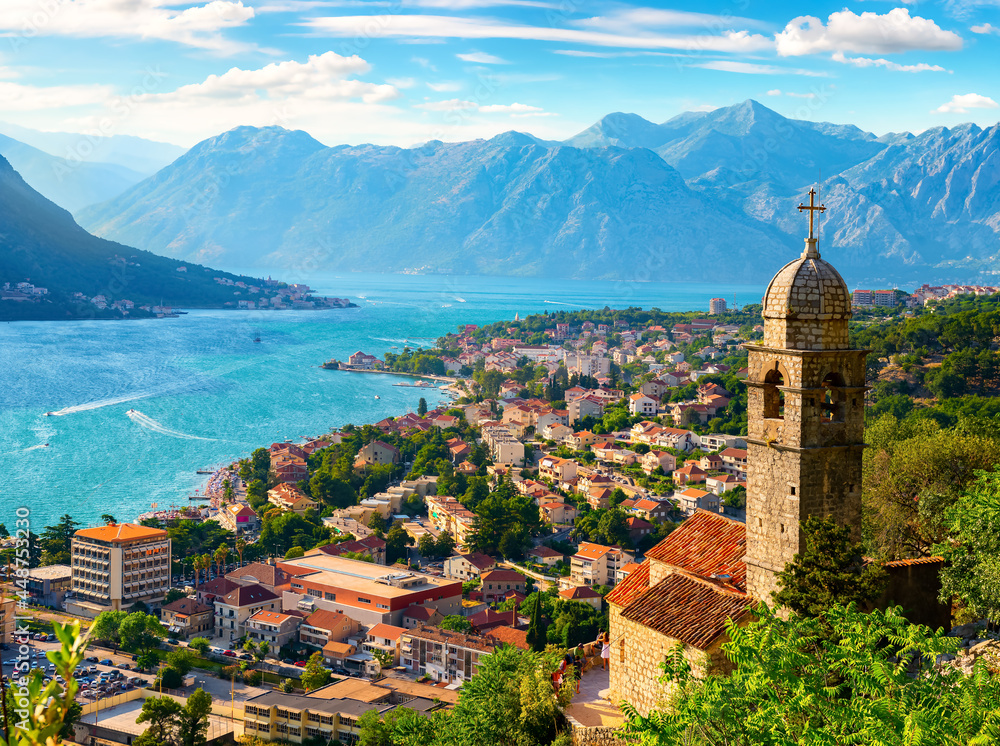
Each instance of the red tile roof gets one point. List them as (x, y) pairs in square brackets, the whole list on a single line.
[(706, 544), (509, 636), (688, 608), (502, 576), (632, 587)]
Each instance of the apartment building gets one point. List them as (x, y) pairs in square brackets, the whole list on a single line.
[(442, 654), (8, 625), (503, 446), (273, 627), (48, 585), (117, 566), (233, 610), (366, 592), (186, 618), (448, 514), (595, 564)]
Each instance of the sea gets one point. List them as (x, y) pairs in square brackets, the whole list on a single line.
[(140, 406)]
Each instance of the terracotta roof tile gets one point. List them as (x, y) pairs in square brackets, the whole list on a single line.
[(631, 588), (687, 608), (706, 544), (509, 636)]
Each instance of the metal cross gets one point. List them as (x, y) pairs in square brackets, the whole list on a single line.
[(813, 208)]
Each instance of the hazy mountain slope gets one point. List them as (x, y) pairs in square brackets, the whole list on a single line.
[(134, 153), (71, 185), (40, 242), (626, 198), (510, 205)]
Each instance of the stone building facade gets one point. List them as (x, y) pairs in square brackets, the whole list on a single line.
[(804, 458), (805, 413)]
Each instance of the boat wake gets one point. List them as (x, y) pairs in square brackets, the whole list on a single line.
[(560, 303), (35, 448), (96, 405), (149, 423)]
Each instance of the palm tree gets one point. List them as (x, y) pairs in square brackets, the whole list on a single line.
[(221, 555), (241, 545), (202, 562)]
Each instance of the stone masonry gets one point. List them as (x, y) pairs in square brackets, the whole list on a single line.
[(805, 414)]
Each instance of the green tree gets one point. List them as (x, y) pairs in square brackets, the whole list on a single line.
[(107, 518), (427, 546), (445, 544), (295, 552), (162, 714), (192, 721), (422, 406), (456, 623), (55, 541), (139, 632), (830, 570), (174, 594), (509, 702), (972, 550), (181, 660), (397, 539), (107, 625), (872, 681), (536, 631), (200, 644), (314, 675), (147, 660)]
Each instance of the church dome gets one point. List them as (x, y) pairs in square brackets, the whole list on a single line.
[(807, 288)]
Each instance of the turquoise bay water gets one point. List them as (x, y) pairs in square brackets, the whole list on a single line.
[(204, 393)]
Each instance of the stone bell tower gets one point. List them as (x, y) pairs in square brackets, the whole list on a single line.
[(806, 391)]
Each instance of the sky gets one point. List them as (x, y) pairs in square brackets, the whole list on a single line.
[(402, 72)]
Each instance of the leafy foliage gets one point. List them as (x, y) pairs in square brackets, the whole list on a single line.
[(830, 570), (872, 681)]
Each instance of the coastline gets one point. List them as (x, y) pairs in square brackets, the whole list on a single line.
[(180, 311)]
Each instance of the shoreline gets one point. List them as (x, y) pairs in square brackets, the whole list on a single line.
[(431, 376), (182, 312)]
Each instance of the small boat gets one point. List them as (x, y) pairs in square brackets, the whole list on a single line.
[(132, 411), (256, 339), (377, 396), (49, 414)]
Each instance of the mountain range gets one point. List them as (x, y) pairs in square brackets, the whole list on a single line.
[(76, 170), (702, 196), (41, 243)]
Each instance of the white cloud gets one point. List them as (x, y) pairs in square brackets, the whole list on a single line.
[(479, 28), (895, 31), (514, 108), (403, 83), (18, 97), (445, 86), (961, 103), (452, 104), (986, 28), (774, 92), (887, 64), (750, 68), (632, 20), (457, 104), (612, 55), (321, 77), (424, 62), (482, 58), (196, 26)]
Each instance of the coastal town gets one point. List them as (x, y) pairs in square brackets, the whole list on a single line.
[(586, 484)]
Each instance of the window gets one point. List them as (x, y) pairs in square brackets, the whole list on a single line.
[(330, 596), (382, 606), (774, 397), (793, 490), (832, 408), (297, 585), (364, 600)]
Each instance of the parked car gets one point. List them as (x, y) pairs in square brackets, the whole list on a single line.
[(229, 653), (245, 657), (124, 666), (107, 662), (300, 664), (91, 659)]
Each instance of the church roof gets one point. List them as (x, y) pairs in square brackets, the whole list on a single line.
[(807, 288), (706, 544), (688, 608)]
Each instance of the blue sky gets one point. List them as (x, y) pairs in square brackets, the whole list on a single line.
[(406, 71)]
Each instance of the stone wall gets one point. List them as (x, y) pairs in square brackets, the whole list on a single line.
[(804, 459), (601, 735), (636, 654)]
